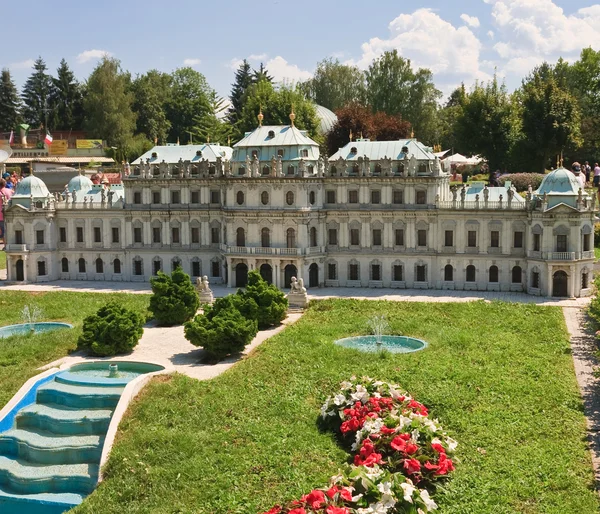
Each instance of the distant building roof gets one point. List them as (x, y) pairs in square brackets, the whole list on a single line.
[(275, 135), (327, 119), (476, 188), (61, 160), (172, 153), (376, 150)]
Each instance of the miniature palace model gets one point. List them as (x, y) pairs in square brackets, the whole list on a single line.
[(375, 214)]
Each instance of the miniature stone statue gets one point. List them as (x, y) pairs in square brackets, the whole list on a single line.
[(204, 291), (302, 167), (412, 166), (279, 171), (163, 169), (219, 166), (255, 165), (248, 164), (297, 297), (110, 197), (74, 197), (454, 193), (463, 193), (386, 166), (437, 167), (320, 167), (486, 193), (85, 201), (103, 196), (227, 168), (580, 197)]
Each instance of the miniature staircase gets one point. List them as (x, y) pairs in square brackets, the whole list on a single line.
[(49, 460)]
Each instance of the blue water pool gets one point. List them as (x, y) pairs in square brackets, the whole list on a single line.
[(394, 344), (24, 329)]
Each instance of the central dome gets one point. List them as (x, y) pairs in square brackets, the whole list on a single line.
[(560, 181), (31, 186)]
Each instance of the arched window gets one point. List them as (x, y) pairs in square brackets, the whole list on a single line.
[(264, 198), (448, 273), (117, 266), (64, 265), (138, 266), (240, 237), (99, 265), (156, 266), (493, 274), (81, 263), (265, 238), (289, 198), (517, 275), (239, 198), (291, 238), (313, 236), (312, 197), (291, 170), (266, 170), (470, 273)]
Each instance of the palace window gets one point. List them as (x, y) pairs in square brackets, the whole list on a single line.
[(79, 234), (117, 267), (175, 197), (353, 196), (494, 238), (421, 273), (353, 272), (397, 273), (215, 235), (64, 263), (561, 243), (398, 196), (304, 153), (239, 198), (289, 198), (137, 234), (137, 197), (195, 235), (264, 198), (330, 196), (470, 273), (517, 273), (313, 236), (240, 237), (195, 268), (312, 197), (63, 234), (291, 238), (41, 265), (376, 272), (215, 197), (81, 265), (375, 197), (39, 237), (584, 280), (518, 239), (586, 242), (175, 235), (215, 268), (115, 234), (155, 197), (99, 265), (19, 237), (376, 237), (421, 237), (535, 280), (265, 238), (399, 237), (156, 266), (156, 234), (421, 198), (331, 271), (493, 274), (97, 235), (354, 237), (137, 267), (449, 238), (472, 238), (448, 273), (332, 238), (195, 196)]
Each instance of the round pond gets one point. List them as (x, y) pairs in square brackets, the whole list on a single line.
[(32, 328), (394, 344), (108, 373)]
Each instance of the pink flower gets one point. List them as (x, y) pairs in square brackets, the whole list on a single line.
[(412, 466), (337, 510)]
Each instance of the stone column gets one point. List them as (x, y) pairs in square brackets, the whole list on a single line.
[(229, 273), (572, 279), (276, 274)]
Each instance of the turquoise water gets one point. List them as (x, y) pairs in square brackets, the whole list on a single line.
[(94, 372), (103, 373), (394, 344), (38, 328)]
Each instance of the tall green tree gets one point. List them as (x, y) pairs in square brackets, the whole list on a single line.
[(10, 103), (261, 74), (214, 127), (395, 88), (65, 100), (190, 100), (36, 93), (276, 104), (447, 118), (108, 103), (152, 94), (550, 116), (335, 85), (242, 81), (486, 125)]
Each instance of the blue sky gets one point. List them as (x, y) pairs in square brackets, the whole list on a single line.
[(459, 40)]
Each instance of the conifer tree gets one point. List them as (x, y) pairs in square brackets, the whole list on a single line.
[(66, 101), (10, 103), (243, 80), (36, 94), (261, 74)]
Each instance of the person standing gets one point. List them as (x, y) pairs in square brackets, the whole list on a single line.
[(587, 170), (5, 195), (576, 169), (596, 175)]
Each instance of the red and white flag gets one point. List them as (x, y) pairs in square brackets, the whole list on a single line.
[(11, 139), (48, 139)]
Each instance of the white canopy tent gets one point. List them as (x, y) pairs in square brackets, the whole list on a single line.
[(459, 159)]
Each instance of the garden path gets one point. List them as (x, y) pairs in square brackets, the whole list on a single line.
[(168, 347), (583, 347)]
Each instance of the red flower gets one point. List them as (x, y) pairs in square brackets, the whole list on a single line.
[(417, 407), (445, 465), (274, 510), (387, 431), (315, 499), (344, 492), (337, 510), (297, 511), (399, 443), (412, 466), (430, 466), (438, 447), (411, 448)]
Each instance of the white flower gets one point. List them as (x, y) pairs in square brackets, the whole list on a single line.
[(373, 473), (324, 408), (408, 490), (385, 488), (361, 394), (337, 479), (373, 426), (339, 399), (415, 435), (403, 421), (346, 385), (429, 503), (452, 444), (367, 510), (357, 497)]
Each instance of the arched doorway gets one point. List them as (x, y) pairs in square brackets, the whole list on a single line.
[(290, 271), (266, 272), (560, 283), (20, 271), (313, 275), (241, 275)]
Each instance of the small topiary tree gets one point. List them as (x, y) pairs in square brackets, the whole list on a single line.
[(175, 299), (272, 303), (112, 330), (221, 330)]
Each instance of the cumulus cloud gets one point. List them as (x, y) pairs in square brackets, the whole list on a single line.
[(191, 62), (28, 63), (283, 71), (471, 21), (90, 55), (429, 41)]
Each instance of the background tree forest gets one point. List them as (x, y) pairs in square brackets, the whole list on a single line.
[(556, 111)]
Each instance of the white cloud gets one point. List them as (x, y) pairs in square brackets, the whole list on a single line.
[(490, 34), (471, 21), (90, 55), (22, 64), (429, 41), (283, 71), (191, 62), (234, 63), (257, 57)]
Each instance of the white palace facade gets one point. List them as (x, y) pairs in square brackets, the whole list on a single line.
[(375, 214)]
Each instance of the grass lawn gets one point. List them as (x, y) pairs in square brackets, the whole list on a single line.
[(2, 259), (20, 356), (504, 388), (597, 253)]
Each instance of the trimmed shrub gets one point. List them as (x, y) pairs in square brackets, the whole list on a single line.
[(272, 303), (112, 330), (175, 299), (522, 181), (221, 330)]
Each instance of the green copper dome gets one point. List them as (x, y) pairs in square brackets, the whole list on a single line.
[(559, 182), (80, 183), (31, 186)]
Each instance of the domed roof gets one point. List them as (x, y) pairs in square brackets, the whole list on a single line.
[(31, 186), (560, 182), (327, 119), (80, 183)]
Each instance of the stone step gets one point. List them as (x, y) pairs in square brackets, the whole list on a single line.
[(40, 447), (64, 420), (22, 477), (82, 397), (46, 503)]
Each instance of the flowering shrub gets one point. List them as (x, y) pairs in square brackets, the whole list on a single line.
[(399, 454), (522, 181)]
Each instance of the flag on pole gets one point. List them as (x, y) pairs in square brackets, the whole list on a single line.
[(11, 139), (48, 139)]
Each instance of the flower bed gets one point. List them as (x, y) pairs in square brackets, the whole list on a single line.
[(400, 454)]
